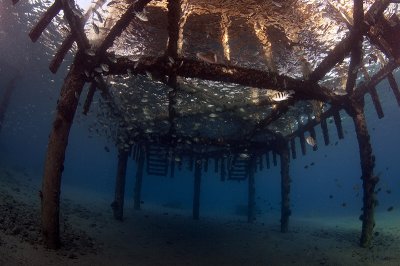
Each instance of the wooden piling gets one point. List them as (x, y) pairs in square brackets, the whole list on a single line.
[(267, 160), (5, 101), (274, 157), (368, 177), (172, 166), (223, 170), (138, 181), (376, 102), (394, 87), (293, 147), (196, 193), (58, 140), (314, 136), (251, 203), (338, 123), (325, 133), (285, 188), (303, 143), (118, 204)]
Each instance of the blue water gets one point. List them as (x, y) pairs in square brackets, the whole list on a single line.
[(330, 188)]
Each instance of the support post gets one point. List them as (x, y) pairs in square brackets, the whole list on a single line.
[(118, 203), (54, 164), (285, 188), (196, 192), (367, 166), (338, 123), (325, 133), (10, 87), (138, 181), (251, 204), (293, 147)]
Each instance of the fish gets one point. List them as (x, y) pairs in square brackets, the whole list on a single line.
[(244, 156), (100, 18), (281, 96), (104, 67), (311, 141), (142, 16), (208, 57), (106, 149), (95, 28)]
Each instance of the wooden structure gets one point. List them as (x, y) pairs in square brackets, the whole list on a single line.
[(93, 62)]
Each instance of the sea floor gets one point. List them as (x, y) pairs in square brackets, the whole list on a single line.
[(162, 236)]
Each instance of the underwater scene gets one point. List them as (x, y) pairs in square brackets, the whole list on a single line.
[(198, 132)]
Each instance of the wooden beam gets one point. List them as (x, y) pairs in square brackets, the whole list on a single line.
[(69, 40), (302, 143), (76, 24), (45, 20), (54, 164), (122, 23), (285, 189), (314, 136), (356, 51), (5, 101), (325, 132), (383, 73), (196, 193), (343, 48), (293, 147), (231, 74), (118, 204), (251, 197), (394, 87), (367, 167), (138, 180), (376, 102), (89, 98), (338, 124)]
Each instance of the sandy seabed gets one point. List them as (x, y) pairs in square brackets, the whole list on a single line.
[(161, 236)]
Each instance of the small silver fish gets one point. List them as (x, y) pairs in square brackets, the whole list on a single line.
[(104, 67), (142, 16), (311, 141), (208, 57), (281, 96), (95, 28), (244, 156)]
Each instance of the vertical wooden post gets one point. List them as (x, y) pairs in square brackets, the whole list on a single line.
[(274, 161), (325, 133), (314, 136), (303, 143), (293, 147), (267, 160), (139, 178), (58, 140), (196, 192), (285, 188), (10, 87), (223, 169), (251, 204), (118, 203), (338, 123), (367, 166)]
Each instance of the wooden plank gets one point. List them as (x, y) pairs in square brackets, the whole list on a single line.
[(394, 86), (376, 102), (325, 133), (302, 143), (293, 147), (338, 123), (314, 136)]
